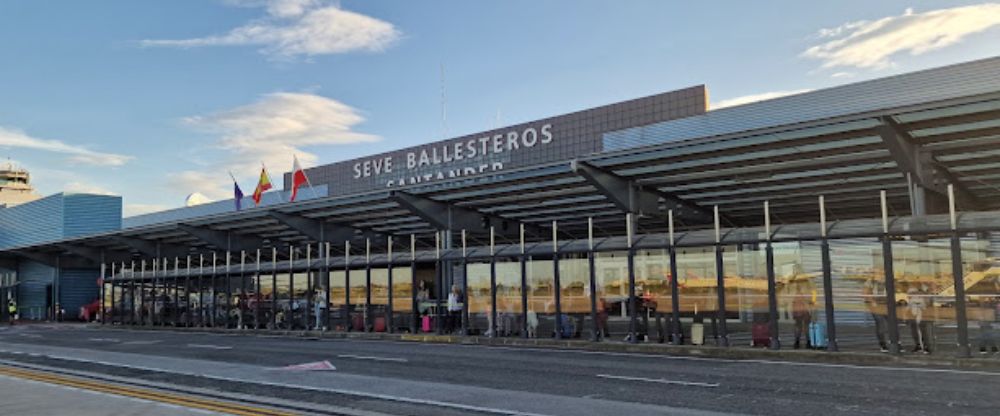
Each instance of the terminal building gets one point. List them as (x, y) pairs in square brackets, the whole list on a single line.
[(858, 217)]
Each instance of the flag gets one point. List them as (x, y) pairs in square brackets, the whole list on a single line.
[(298, 177), (237, 196), (262, 186), (237, 193)]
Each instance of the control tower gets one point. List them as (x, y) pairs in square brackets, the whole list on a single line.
[(15, 186)]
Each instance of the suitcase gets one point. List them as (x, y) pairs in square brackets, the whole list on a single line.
[(697, 334), (761, 333), (426, 324), (380, 324), (358, 322), (817, 334)]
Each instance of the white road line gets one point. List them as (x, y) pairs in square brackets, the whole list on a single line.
[(659, 380), (150, 342), (209, 347), (365, 357), (103, 339)]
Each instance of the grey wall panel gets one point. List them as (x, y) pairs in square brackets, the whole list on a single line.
[(961, 80), (77, 287), (33, 289)]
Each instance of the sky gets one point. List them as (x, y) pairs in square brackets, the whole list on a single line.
[(156, 100)]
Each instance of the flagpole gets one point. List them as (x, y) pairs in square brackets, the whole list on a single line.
[(281, 199)]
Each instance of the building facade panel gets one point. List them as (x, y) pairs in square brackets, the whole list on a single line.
[(548, 140)]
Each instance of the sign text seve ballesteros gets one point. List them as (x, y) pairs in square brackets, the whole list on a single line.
[(439, 161)]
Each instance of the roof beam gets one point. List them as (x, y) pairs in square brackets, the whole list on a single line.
[(633, 198), (149, 248), (94, 254), (445, 216), (223, 240), (319, 230), (921, 166), (54, 260)]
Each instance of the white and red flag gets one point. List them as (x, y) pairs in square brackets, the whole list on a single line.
[(298, 178)]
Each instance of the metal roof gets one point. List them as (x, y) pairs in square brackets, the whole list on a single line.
[(847, 158)]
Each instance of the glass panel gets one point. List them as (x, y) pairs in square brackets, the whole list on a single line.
[(574, 279), (859, 300), (508, 297), (380, 298), (981, 274), (924, 294), (612, 293), (798, 275), (696, 280), (357, 299), (265, 299), (746, 295), (402, 296), (541, 298), (283, 309), (652, 279), (338, 300), (478, 297)]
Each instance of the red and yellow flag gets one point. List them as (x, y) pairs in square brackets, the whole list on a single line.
[(262, 186)]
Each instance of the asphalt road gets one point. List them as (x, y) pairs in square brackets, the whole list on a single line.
[(495, 379)]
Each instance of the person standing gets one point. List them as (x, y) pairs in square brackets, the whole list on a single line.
[(919, 328), (871, 292), (802, 315), (454, 308), (11, 311)]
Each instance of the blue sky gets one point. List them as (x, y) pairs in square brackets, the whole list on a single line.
[(155, 100)]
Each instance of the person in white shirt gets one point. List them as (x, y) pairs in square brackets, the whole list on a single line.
[(454, 308)]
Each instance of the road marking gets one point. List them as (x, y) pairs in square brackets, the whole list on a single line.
[(209, 346), (365, 357), (659, 380), (103, 339), (150, 342), (729, 360)]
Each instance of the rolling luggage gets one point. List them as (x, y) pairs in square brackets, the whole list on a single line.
[(697, 334), (568, 329), (817, 335), (761, 335), (426, 324)]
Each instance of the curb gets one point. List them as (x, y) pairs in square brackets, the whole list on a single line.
[(704, 351)]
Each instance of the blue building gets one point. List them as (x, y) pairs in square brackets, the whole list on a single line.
[(34, 280)]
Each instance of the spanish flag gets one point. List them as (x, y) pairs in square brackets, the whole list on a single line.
[(262, 186)]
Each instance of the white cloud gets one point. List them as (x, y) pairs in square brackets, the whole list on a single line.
[(77, 154), (746, 99), (86, 188), (872, 44), (131, 210), (270, 130), (299, 27)]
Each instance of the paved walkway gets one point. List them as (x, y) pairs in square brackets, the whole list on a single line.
[(31, 398)]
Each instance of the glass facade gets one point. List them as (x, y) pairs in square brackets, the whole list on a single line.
[(921, 313)]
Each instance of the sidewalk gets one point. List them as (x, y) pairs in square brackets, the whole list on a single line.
[(945, 360)]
